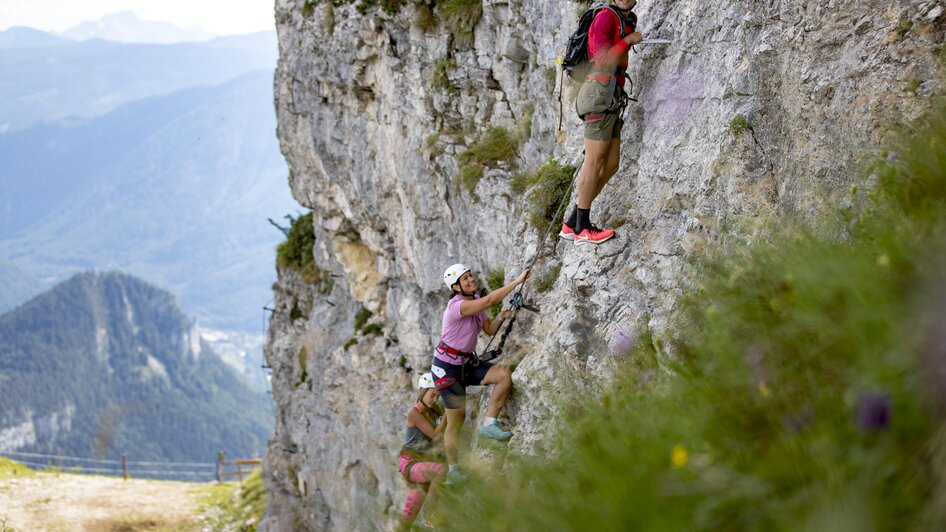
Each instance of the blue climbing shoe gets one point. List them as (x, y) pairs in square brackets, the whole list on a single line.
[(494, 432), (454, 477)]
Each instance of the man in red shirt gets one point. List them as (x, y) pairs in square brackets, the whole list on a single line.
[(601, 103)]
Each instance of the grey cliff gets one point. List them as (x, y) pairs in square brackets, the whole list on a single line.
[(372, 145)]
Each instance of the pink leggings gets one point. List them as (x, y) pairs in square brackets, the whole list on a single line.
[(422, 473)]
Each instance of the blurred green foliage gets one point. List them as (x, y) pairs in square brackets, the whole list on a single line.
[(801, 386)]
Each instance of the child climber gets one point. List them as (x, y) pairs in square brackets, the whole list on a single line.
[(456, 366), (421, 467)]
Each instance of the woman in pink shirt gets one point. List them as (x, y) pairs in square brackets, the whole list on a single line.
[(455, 365), (600, 104)]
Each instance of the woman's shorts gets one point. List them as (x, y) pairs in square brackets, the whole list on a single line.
[(452, 380), (602, 122)]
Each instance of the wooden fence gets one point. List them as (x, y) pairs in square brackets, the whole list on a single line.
[(244, 466), (192, 471)]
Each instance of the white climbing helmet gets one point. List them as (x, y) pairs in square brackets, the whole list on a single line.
[(426, 381), (453, 273)]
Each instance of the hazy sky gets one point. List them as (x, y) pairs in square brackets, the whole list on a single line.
[(223, 17)]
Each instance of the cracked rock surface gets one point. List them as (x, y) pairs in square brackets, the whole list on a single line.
[(755, 107)]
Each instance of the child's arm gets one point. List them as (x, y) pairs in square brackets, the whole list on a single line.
[(416, 419)]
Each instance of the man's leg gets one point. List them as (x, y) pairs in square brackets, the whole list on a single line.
[(610, 167), (596, 159)]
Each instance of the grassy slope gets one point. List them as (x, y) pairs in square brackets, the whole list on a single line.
[(227, 506), (11, 469)]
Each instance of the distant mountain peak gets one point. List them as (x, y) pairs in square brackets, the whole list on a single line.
[(127, 27), (23, 37)]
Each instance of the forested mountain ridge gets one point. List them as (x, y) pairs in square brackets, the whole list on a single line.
[(16, 285), (105, 362)]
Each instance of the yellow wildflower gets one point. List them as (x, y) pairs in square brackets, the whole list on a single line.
[(679, 456)]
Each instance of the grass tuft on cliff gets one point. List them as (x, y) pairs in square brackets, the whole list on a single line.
[(493, 146), (547, 188), (296, 253), (495, 279), (802, 388), (460, 17), (234, 507)]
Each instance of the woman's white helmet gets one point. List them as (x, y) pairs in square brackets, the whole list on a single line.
[(426, 381), (453, 273)]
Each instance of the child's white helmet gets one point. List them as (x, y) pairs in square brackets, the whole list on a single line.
[(453, 273), (426, 381)]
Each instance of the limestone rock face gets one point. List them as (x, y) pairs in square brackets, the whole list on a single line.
[(755, 107)]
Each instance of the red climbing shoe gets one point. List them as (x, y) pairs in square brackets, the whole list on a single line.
[(593, 235), (567, 233)]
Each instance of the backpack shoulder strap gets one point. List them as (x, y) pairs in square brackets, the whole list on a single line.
[(620, 18)]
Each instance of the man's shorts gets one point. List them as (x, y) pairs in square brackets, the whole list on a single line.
[(602, 122), (452, 380), (604, 126)]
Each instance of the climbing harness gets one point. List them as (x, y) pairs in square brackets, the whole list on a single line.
[(455, 352)]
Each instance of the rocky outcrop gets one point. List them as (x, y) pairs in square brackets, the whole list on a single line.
[(756, 107)]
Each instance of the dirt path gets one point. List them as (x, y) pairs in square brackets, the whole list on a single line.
[(67, 503)]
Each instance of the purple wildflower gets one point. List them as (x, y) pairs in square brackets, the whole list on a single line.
[(892, 156), (622, 342), (873, 411)]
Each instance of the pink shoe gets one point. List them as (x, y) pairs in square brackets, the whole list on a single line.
[(593, 235), (567, 233)]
